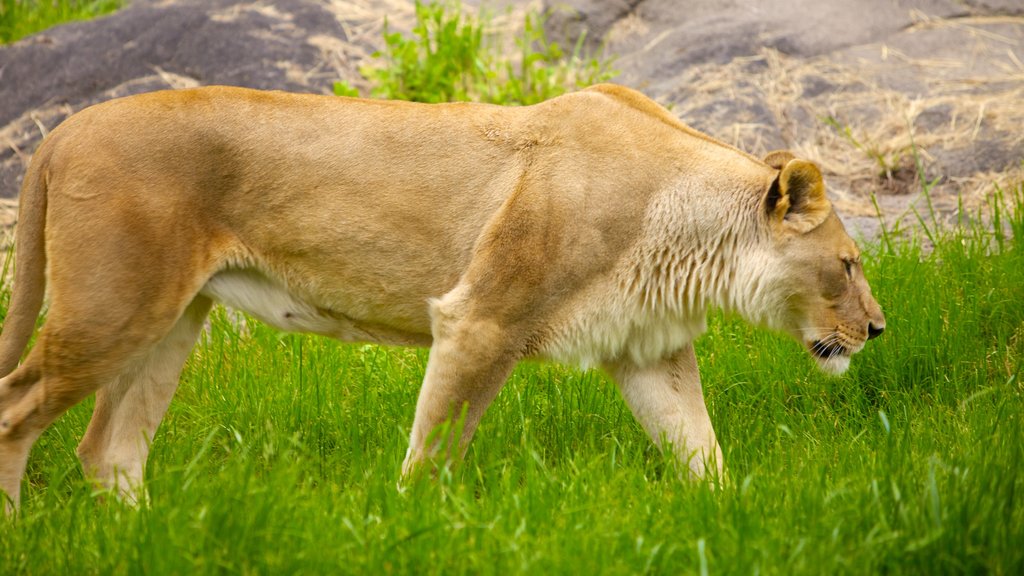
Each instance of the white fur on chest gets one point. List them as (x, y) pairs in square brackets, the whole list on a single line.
[(619, 329)]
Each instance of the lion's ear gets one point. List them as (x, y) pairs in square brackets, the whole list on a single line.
[(778, 158), (796, 199)]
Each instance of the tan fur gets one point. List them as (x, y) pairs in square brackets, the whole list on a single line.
[(594, 227)]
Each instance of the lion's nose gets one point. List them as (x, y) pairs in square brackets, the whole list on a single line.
[(875, 331)]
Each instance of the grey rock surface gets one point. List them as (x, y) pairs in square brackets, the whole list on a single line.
[(295, 45), (875, 91), (220, 44)]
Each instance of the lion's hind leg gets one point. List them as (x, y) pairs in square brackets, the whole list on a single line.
[(19, 391), (134, 380), (52, 379), (129, 409), (88, 348)]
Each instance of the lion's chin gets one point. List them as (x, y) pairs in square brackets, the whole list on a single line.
[(835, 365), (833, 358)]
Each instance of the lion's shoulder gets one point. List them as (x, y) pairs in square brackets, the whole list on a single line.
[(637, 101), (632, 99)]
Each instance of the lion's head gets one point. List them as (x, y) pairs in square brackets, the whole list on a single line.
[(825, 300)]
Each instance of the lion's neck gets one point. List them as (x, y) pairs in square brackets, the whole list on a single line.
[(698, 253)]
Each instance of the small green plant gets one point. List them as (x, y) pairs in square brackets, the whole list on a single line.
[(343, 88), (451, 57), (19, 18)]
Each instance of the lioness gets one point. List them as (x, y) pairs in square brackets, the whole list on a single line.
[(593, 228)]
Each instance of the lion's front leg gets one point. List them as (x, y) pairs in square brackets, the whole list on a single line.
[(470, 359), (668, 401)]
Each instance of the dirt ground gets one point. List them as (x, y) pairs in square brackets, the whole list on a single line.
[(878, 92)]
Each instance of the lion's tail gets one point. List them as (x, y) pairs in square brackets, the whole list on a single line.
[(30, 263)]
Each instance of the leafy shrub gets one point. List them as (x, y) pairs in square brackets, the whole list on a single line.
[(452, 57)]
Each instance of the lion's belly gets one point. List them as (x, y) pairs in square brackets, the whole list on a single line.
[(271, 302)]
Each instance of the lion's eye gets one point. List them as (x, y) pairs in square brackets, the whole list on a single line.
[(848, 264)]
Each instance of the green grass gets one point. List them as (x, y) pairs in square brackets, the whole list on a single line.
[(20, 18), (452, 56), (281, 454)]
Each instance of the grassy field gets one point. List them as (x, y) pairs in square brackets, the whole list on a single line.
[(19, 18), (281, 454)]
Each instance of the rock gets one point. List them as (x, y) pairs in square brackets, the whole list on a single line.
[(996, 7), (570, 19), (870, 90), (295, 45)]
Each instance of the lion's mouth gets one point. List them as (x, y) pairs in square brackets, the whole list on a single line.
[(828, 349)]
